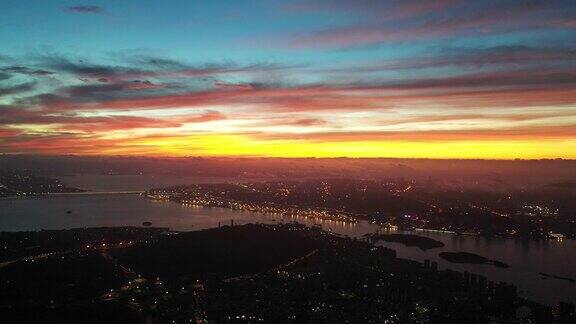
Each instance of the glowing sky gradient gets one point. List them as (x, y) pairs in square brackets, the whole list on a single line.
[(361, 78)]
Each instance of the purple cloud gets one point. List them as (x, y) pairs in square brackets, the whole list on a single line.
[(86, 9)]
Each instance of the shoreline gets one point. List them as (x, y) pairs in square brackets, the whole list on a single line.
[(61, 194)]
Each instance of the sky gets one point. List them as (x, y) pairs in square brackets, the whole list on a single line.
[(333, 78)]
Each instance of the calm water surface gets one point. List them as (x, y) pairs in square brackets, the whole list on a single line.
[(526, 258)]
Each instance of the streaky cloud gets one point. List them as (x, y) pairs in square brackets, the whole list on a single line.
[(469, 19), (21, 88), (86, 9)]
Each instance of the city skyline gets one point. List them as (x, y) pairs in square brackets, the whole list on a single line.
[(401, 79)]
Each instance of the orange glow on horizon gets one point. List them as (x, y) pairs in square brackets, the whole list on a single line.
[(226, 145)]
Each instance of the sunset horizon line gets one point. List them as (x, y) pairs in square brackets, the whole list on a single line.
[(246, 157)]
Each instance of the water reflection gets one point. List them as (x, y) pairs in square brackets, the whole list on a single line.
[(527, 258)]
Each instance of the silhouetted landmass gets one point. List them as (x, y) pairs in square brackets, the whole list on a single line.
[(539, 213), (31, 243), (250, 273), (334, 199), (227, 251), (423, 243), (470, 258), (88, 312), (64, 289), (25, 183), (529, 199), (494, 175), (72, 276)]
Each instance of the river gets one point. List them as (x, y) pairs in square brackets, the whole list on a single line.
[(526, 258)]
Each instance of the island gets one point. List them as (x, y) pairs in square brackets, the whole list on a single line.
[(470, 258), (423, 243)]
